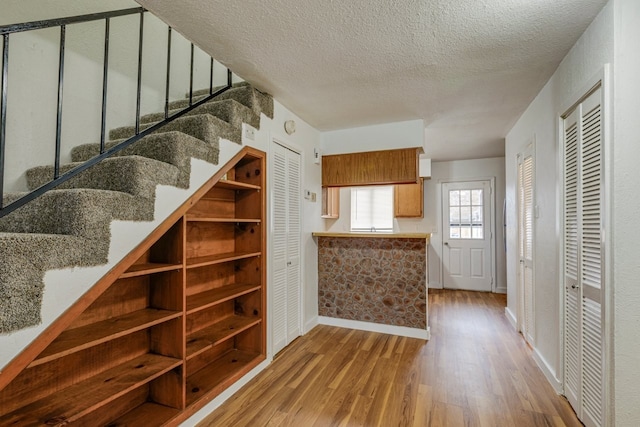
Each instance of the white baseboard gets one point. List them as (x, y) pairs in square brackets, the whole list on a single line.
[(435, 285), (547, 371), (511, 317), (310, 324), (402, 331), (501, 290), (222, 397)]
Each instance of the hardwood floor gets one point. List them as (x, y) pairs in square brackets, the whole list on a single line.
[(475, 371)]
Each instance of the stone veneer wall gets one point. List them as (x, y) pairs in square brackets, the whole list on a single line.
[(380, 280)]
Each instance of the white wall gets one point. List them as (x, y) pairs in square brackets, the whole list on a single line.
[(626, 205), (539, 122), (374, 138)]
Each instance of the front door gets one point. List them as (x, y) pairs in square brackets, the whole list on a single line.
[(467, 233)]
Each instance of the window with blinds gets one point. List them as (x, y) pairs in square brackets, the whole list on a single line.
[(372, 208)]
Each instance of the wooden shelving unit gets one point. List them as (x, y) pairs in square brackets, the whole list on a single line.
[(182, 318)]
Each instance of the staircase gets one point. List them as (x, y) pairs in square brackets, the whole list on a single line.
[(70, 227)]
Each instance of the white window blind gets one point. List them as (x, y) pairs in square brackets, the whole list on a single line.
[(372, 208)]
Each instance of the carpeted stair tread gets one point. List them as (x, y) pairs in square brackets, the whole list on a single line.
[(25, 259), (229, 110), (175, 148), (246, 95), (202, 126), (129, 174), (200, 92), (77, 212)]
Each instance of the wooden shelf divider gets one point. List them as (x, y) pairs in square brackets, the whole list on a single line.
[(148, 413), (204, 300), (200, 218), (137, 270), (226, 369), (218, 332), (73, 340), (80, 399), (236, 185), (219, 258)]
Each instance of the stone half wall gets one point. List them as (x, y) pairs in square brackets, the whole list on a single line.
[(379, 280)]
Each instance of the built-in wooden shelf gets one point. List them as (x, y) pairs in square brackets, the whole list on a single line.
[(123, 353), (219, 258), (80, 399), (200, 218), (229, 327), (73, 340), (148, 413), (149, 268), (236, 185), (210, 298), (221, 372)]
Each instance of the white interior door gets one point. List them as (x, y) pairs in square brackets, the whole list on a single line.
[(583, 260), (286, 247), (294, 282), (467, 234), (525, 243)]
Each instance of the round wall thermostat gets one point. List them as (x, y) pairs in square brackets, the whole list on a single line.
[(289, 127)]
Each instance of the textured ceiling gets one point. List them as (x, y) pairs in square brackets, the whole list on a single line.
[(468, 68)]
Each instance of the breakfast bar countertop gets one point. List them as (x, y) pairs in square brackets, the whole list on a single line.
[(379, 235)]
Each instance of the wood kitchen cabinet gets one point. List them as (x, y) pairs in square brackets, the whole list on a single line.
[(331, 202), (371, 168), (409, 200)]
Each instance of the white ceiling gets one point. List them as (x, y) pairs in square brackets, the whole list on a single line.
[(468, 68)]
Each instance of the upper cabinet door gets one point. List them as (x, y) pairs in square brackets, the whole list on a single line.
[(371, 168), (408, 200)]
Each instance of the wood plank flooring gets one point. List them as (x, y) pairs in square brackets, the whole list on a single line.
[(475, 371)]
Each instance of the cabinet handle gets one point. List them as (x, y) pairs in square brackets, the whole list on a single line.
[(288, 262)]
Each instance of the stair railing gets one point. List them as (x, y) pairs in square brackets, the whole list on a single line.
[(7, 30)]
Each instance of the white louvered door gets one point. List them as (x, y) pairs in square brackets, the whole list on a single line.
[(286, 249), (525, 244), (583, 259), (293, 246)]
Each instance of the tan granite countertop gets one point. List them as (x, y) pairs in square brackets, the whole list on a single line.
[(379, 235)]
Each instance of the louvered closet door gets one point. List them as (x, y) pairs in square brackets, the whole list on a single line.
[(293, 246), (583, 260), (286, 249), (279, 248), (526, 215)]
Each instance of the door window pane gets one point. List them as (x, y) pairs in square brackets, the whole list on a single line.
[(465, 232), (454, 198), (476, 197), (466, 214)]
